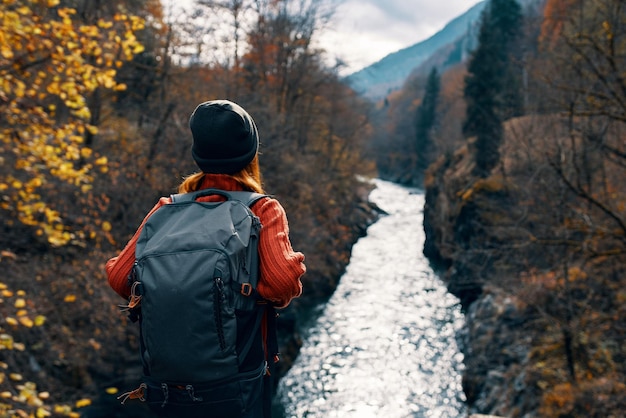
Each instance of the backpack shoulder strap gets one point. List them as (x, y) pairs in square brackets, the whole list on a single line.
[(247, 198)]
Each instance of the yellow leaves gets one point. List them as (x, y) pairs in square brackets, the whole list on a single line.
[(23, 393), (104, 24), (81, 403), (57, 238), (62, 409), (6, 342), (54, 88), (106, 226), (6, 52), (137, 23), (102, 161), (66, 13), (20, 304), (85, 152), (106, 79), (42, 413), (23, 10), (26, 321), (11, 321), (82, 113), (69, 298), (61, 60), (138, 48), (112, 390), (91, 31)]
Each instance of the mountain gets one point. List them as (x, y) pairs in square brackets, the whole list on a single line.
[(388, 74), (448, 47)]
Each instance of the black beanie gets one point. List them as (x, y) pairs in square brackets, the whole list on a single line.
[(225, 138)]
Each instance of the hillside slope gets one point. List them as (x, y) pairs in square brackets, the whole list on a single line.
[(377, 80), (543, 301)]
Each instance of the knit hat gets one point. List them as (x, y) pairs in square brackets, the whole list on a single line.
[(225, 138)]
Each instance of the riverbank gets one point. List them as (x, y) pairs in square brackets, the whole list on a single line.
[(543, 334), (85, 352)]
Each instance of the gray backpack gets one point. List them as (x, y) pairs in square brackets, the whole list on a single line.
[(194, 293)]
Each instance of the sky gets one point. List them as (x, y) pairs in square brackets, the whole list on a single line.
[(362, 32)]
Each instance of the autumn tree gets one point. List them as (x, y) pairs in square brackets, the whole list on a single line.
[(312, 129), (50, 64), (573, 162), (129, 143), (491, 86), (586, 51)]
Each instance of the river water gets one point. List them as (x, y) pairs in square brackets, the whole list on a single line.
[(384, 345)]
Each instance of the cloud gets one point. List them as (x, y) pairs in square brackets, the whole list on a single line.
[(363, 31)]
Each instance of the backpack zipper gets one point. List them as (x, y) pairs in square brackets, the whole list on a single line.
[(217, 310)]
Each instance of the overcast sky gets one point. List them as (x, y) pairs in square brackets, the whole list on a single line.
[(364, 31)]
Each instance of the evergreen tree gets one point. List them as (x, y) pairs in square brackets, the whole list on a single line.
[(426, 119), (491, 86)]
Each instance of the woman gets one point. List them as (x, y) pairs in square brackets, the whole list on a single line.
[(225, 148)]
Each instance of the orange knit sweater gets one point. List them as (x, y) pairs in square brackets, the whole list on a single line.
[(280, 266)]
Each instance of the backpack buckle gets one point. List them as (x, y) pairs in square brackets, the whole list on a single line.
[(246, 289)]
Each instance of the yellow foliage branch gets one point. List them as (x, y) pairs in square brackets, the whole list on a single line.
[(49, 66)]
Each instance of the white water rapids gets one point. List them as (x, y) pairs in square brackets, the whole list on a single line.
[(384, 345)]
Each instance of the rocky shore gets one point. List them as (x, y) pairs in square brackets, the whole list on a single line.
[(542, 336), (496, 339)]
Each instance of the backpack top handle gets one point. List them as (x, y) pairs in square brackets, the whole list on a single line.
[(247, 198)]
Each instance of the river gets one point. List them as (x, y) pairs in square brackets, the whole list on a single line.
[(384, 345)]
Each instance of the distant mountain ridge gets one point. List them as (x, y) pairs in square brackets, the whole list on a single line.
[(388, 74), (448, 47)]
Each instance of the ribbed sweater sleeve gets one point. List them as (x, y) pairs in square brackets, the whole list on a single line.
[(281, 266), (118, 268)]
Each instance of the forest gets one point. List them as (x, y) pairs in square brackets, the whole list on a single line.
[(522, 156), (94, 107), (519, 149)]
